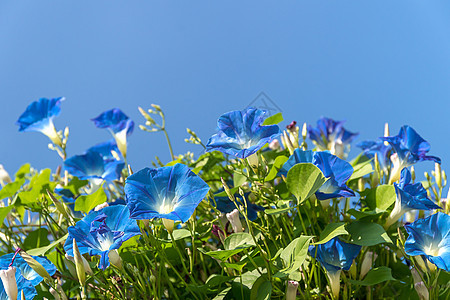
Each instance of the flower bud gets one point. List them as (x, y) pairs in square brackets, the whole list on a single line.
[(438, 174), (304, 131), (291, 291), (115, 259), (35, 265), (419, 286), (367, 262), (8, 278), (86, 265), (54, 293), (235, 222), (386, 133), (168, 224), (4, 176), (274, 145), (79, 264)]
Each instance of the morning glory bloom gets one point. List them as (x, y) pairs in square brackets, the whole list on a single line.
[(118, 124), (379, 148), (91, 166), (409, 148), (102, 233), (106, 150), (21, 283), (336, 170), (39, 117), (335, 256), (409, 196), (331, 135), (170, 193), (25, 270), (430, 237), (241, 133)]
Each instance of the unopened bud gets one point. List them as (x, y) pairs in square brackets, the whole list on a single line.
[(8, 278), (367, 262), (413, 174), (101, 206), (168, 224), (438, 174), (291, 291), (386, 133), (304, 131), (35, 265), (419, 285), (54, 293), (79, 264), (156, 106), (115, 259), (274, 145), (235, 221), (227, 190)]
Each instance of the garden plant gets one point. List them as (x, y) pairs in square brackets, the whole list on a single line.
[(266, 211)]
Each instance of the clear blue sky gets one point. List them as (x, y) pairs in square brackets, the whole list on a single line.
[(364, 61)]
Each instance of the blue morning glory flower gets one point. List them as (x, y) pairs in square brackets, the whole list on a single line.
[(331, 135), (171, 193), (379, 148), (409, 148), (409, 196), (225, 205), (91, 165), (241, 133), (106, 150), (335, 256), (336, 170), (430, 237), (22, 285), (118, 124), (101, 232), (25, 270), (39, 117)]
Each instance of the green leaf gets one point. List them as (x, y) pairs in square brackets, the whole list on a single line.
[(240, 240), (216, 280), (381, 197), (261, 289), (361, 169), (375, 276), (23, 170), (275, 119), (11, 188), (39, 184), (179, 234), (4, 212), (238, 179), (366, 215), (44, 250), (295, 253), (332, 230), (75, 184), (221, 255), (303, 180), (237, 266), (277, 211), (37, 238), (277, 165), (86, 203), (367, 234), (222, 294)]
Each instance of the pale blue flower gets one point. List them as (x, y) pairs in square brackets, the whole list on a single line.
[(241, 133), (171, 193), (39, 117), (101, 232), (430, 237)]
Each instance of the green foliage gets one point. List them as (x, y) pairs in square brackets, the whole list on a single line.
[(86, 203), (303, 180)]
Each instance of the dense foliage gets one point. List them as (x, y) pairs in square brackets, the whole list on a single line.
[(258, 215)]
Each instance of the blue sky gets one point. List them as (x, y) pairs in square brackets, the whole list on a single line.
[(365, 62)]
